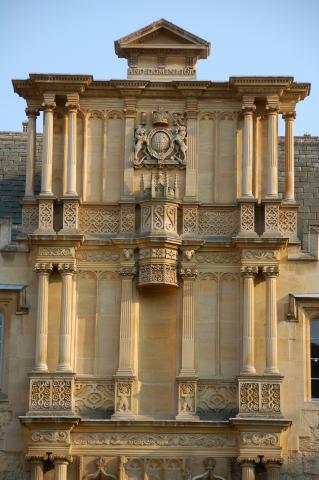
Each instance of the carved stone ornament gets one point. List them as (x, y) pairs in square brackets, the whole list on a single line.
[(161, 145), (101, 472), (50, 394), (51, 436), (259, 398), (209, 440), (260, 439)]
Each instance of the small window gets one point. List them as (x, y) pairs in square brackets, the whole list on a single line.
[(314, 355), (1, 347)]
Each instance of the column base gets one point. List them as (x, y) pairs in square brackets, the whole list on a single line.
[(271, 371), (40, 368), (248, 371), (128, 372), (65, 368), (187, 374)]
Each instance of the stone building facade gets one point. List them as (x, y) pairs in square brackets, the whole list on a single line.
[(158, 314)]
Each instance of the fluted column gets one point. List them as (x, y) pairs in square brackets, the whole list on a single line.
[(188, 276), (67, 271), (31, 152), (61, 467), (191, 187), (130, 115), (273, 466), (271, 274), (249, 273), (272, 152), (43, 270), (47, 149), (126, 323), (36, 468), (248, 467), (289, 195), (247, 164), (71, 156)]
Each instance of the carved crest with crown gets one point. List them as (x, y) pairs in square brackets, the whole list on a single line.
[(164, 145)]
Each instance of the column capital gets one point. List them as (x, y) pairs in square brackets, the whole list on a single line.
[(248, 109), (289, 116), (127, 271), (271, 109), (66, 268), (32, 112), (272, 461), (48, 106), (247, 460), (58, 459), (72, 106), (43, 268), (39, 458), (188, 273), (249, 271), (270, 270)]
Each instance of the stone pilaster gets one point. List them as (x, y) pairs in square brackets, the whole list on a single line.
[(289, 195), (191, 187), (31, 152), (247, 157), (125, 367), (43, 270), (72, 107), (188, 276), (249, 273), (67, 271), (47, 149), (130, 115), (272, 149), (271, 273)]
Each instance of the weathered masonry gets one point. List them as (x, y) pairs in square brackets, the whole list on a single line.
[(170, 325)]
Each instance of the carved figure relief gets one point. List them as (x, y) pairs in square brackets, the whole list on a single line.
[(162, 145)]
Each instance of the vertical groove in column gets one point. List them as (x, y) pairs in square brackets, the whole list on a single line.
[(104, 159), (47, 152), (271, 324), (248, 324), (36, 470), (42, 322), (188, 341), (128, 155), (31, 152), (247, 162), (66, 322), (272, 154), (289, 157), (72, 140), (85, 157)]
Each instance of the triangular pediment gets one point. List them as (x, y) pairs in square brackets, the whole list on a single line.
[(161, 34)]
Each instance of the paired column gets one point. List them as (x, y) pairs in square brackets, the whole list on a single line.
[(247, 165), (272, 151), (249, 273), (289, 195), (47, 152), (67, 271), (71, 153), (188, 276), (31, 152), (43, 270), (126, 324), (271, 273)]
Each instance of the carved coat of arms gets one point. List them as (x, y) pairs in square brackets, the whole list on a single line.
[(161, 145)]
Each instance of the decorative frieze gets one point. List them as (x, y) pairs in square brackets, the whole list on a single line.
[(51, 436), (212, 221), (157, 274), (209, 440), (260, 439), (56, 251), (99, 219), (51, 394), (260, 398)]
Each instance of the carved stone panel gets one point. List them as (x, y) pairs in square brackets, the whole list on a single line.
[(49, 395), (216, 400), (158, 266), (94, 399), (159, 218), (99, 219), (259, 397)]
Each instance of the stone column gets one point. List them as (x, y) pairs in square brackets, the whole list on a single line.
[(271, 274), (31, 152), (249, 273), (191, 187), (47, 149), (289, 195), (188, 276), (61, 467), (125, 367), (67, 270), (71, 156), (43, 270), (272, 152), (36, 468), (247, 162), (248, 467), (273, 466), (130, 115)]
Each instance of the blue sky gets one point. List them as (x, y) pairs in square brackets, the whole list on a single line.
[(248, 37)]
